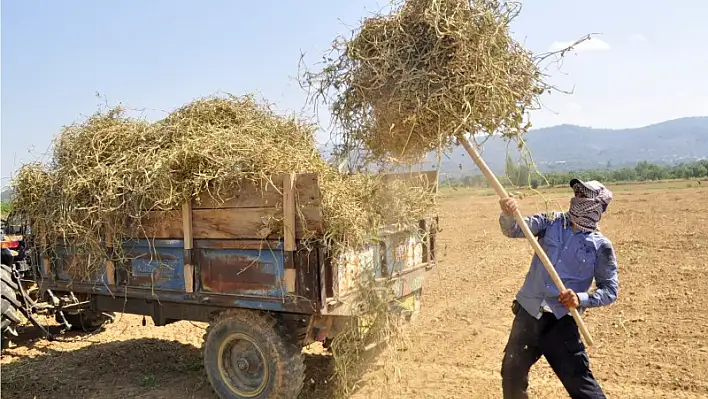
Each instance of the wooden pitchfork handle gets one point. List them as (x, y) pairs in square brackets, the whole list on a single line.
[(527, 231)]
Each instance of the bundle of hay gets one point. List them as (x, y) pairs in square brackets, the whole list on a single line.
[(113, 169), (408, 82)]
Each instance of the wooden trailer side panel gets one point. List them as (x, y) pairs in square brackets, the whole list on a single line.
[(253, 211), (228, 223), (216, 249)]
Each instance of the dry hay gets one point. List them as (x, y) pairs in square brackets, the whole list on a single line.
[(377, 333), (409, 82), (113, 169)]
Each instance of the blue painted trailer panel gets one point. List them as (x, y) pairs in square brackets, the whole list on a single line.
[(157, 264), (70, 266)]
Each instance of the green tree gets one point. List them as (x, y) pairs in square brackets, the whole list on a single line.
[(699, 170)]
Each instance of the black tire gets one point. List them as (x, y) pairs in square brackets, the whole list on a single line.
[(86, 320), (268, 364), (11, 315)]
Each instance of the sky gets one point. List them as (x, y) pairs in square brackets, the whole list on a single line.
[(646, 62)]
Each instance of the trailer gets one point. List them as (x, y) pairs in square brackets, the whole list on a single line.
[(264, 293)]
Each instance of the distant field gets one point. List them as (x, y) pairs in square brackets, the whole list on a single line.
[(449, 192)]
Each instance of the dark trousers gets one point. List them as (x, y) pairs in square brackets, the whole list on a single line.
[(558, 340)]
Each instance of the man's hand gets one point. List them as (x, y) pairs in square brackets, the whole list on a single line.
[(508, 205), (569, 299)]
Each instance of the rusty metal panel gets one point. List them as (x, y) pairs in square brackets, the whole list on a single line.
[(411, 281), (157, 264), (351, 264), (397, 252), (404, 250), (241, 271)]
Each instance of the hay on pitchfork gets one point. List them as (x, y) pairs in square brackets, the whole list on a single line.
[(112, 169), (408, 82)]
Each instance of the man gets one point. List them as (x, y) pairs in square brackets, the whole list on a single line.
[(542, 323)]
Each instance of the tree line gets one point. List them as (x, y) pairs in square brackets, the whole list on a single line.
[(521, 175)]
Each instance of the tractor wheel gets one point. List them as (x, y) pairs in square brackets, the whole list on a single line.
[(9, 305), (86, 320), (248, 355)]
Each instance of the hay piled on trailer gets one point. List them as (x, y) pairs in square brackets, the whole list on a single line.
[(112, 168), (407, 83)]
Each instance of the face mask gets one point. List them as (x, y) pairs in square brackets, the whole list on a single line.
[(585, 213)]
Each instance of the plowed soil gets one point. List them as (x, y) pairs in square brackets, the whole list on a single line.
[(652, 343)]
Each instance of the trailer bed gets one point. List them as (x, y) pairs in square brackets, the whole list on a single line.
[(227, 254)]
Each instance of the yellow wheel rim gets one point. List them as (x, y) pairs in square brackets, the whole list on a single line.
[(242, 365)]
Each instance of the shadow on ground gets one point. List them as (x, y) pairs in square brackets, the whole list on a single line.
[(29, 335), (136, 368)]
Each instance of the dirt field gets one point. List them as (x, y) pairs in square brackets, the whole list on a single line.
[(652, 343)]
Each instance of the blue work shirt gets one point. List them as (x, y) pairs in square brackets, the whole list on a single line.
[(577, 256)]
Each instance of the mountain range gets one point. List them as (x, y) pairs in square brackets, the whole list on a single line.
[(571, 147)]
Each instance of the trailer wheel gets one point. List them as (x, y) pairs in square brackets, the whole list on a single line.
[(8, 291), (248, 355)]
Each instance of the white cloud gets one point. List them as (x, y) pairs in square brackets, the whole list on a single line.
[(592, 44), (638, 38)]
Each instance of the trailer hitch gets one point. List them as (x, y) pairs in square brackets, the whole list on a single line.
[(30, 307), (58, 305)]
